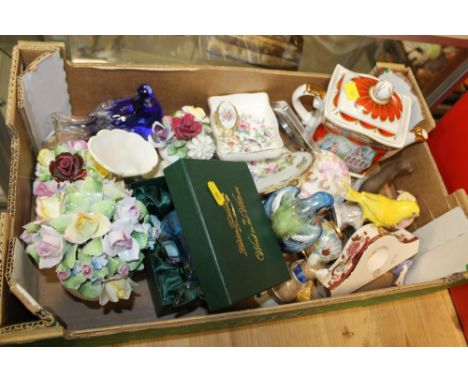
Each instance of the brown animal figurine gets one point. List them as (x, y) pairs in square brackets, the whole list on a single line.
[(375, 182)]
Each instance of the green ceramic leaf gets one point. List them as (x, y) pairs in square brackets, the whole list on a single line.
[(69, 258), (143, 210), (43, 173), (60, 223), (93, 248), (112, 265), (32, 228), (171, 150), (91, 186), (105, 207), (84, 259), (60, 149), (32, 252), (90, 290), (74, 203), (141, 238), (62, 267), (101, 274), (74, 282), (71, 188), (182, 152), (178, 144), (134, 265)]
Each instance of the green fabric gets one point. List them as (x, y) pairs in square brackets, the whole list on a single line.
[(171, 279), (154, 195)]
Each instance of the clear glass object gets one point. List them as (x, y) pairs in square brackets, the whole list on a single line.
[(69, 127)]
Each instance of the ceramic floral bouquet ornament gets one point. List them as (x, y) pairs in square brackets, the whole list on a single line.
[(88, 226), (185, 134)]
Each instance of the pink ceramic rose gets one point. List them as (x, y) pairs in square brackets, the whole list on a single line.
[(47, 188), (77, 145), (127, 209), (49, 247), (119, 242)]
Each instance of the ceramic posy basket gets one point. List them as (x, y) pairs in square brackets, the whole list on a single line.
[(122, 153)]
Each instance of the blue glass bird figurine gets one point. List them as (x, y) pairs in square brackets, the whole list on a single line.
[(292, 217), (135, 114)]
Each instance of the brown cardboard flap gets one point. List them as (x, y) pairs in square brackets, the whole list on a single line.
[(428, 122), (43, 90), (30, 50), (5, 221), (21, 280)]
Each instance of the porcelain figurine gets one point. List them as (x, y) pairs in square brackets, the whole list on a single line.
[(135, 114), (388, 172), (328, 173), (360, 119), (244, 127), (348, 215), (185, 134), (329, 245), (383, 211), (293, 218), (368, 254), (123, 153), (405, 195), (300, 286)]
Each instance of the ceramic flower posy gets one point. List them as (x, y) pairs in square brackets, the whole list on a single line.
[(185, 134), (88, 227)]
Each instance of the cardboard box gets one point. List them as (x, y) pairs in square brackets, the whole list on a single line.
[(43, 310)]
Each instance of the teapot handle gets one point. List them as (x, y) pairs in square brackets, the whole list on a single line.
[(311, 119)]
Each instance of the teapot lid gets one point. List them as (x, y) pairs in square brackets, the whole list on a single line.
[(369, 106)]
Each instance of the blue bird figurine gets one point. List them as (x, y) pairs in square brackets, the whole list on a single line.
[(292, 218), (135, 114)]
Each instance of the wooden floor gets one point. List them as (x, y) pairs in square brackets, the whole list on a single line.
[(428, 320)]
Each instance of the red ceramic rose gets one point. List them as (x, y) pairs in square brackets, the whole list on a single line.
[(67, 166), (186, 127)]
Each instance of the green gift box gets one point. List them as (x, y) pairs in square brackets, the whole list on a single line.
[(234, 252)]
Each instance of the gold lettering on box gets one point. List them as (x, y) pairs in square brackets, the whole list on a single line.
[(246, 221), (238, 223)]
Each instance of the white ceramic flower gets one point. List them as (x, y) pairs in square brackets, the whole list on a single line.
[(201, 147), (115, 290), (127, 208), (49, 248), (48, 207), (119, 242), (86, 226), (198, 112), (45, 156)]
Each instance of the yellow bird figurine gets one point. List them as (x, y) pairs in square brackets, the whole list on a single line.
[(383, 211)]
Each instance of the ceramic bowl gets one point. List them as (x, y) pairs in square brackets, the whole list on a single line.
[(245, 127), (122, 153)]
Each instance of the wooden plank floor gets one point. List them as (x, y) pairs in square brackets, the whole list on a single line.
[(428, 320)]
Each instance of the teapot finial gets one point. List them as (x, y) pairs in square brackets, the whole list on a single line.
[(382, 92)]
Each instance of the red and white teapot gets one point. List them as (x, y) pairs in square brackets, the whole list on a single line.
[(360, 119)]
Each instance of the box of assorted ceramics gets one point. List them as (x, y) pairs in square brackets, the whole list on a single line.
[(147, 201)]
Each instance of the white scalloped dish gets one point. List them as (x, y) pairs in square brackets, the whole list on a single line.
[(123, 153)]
